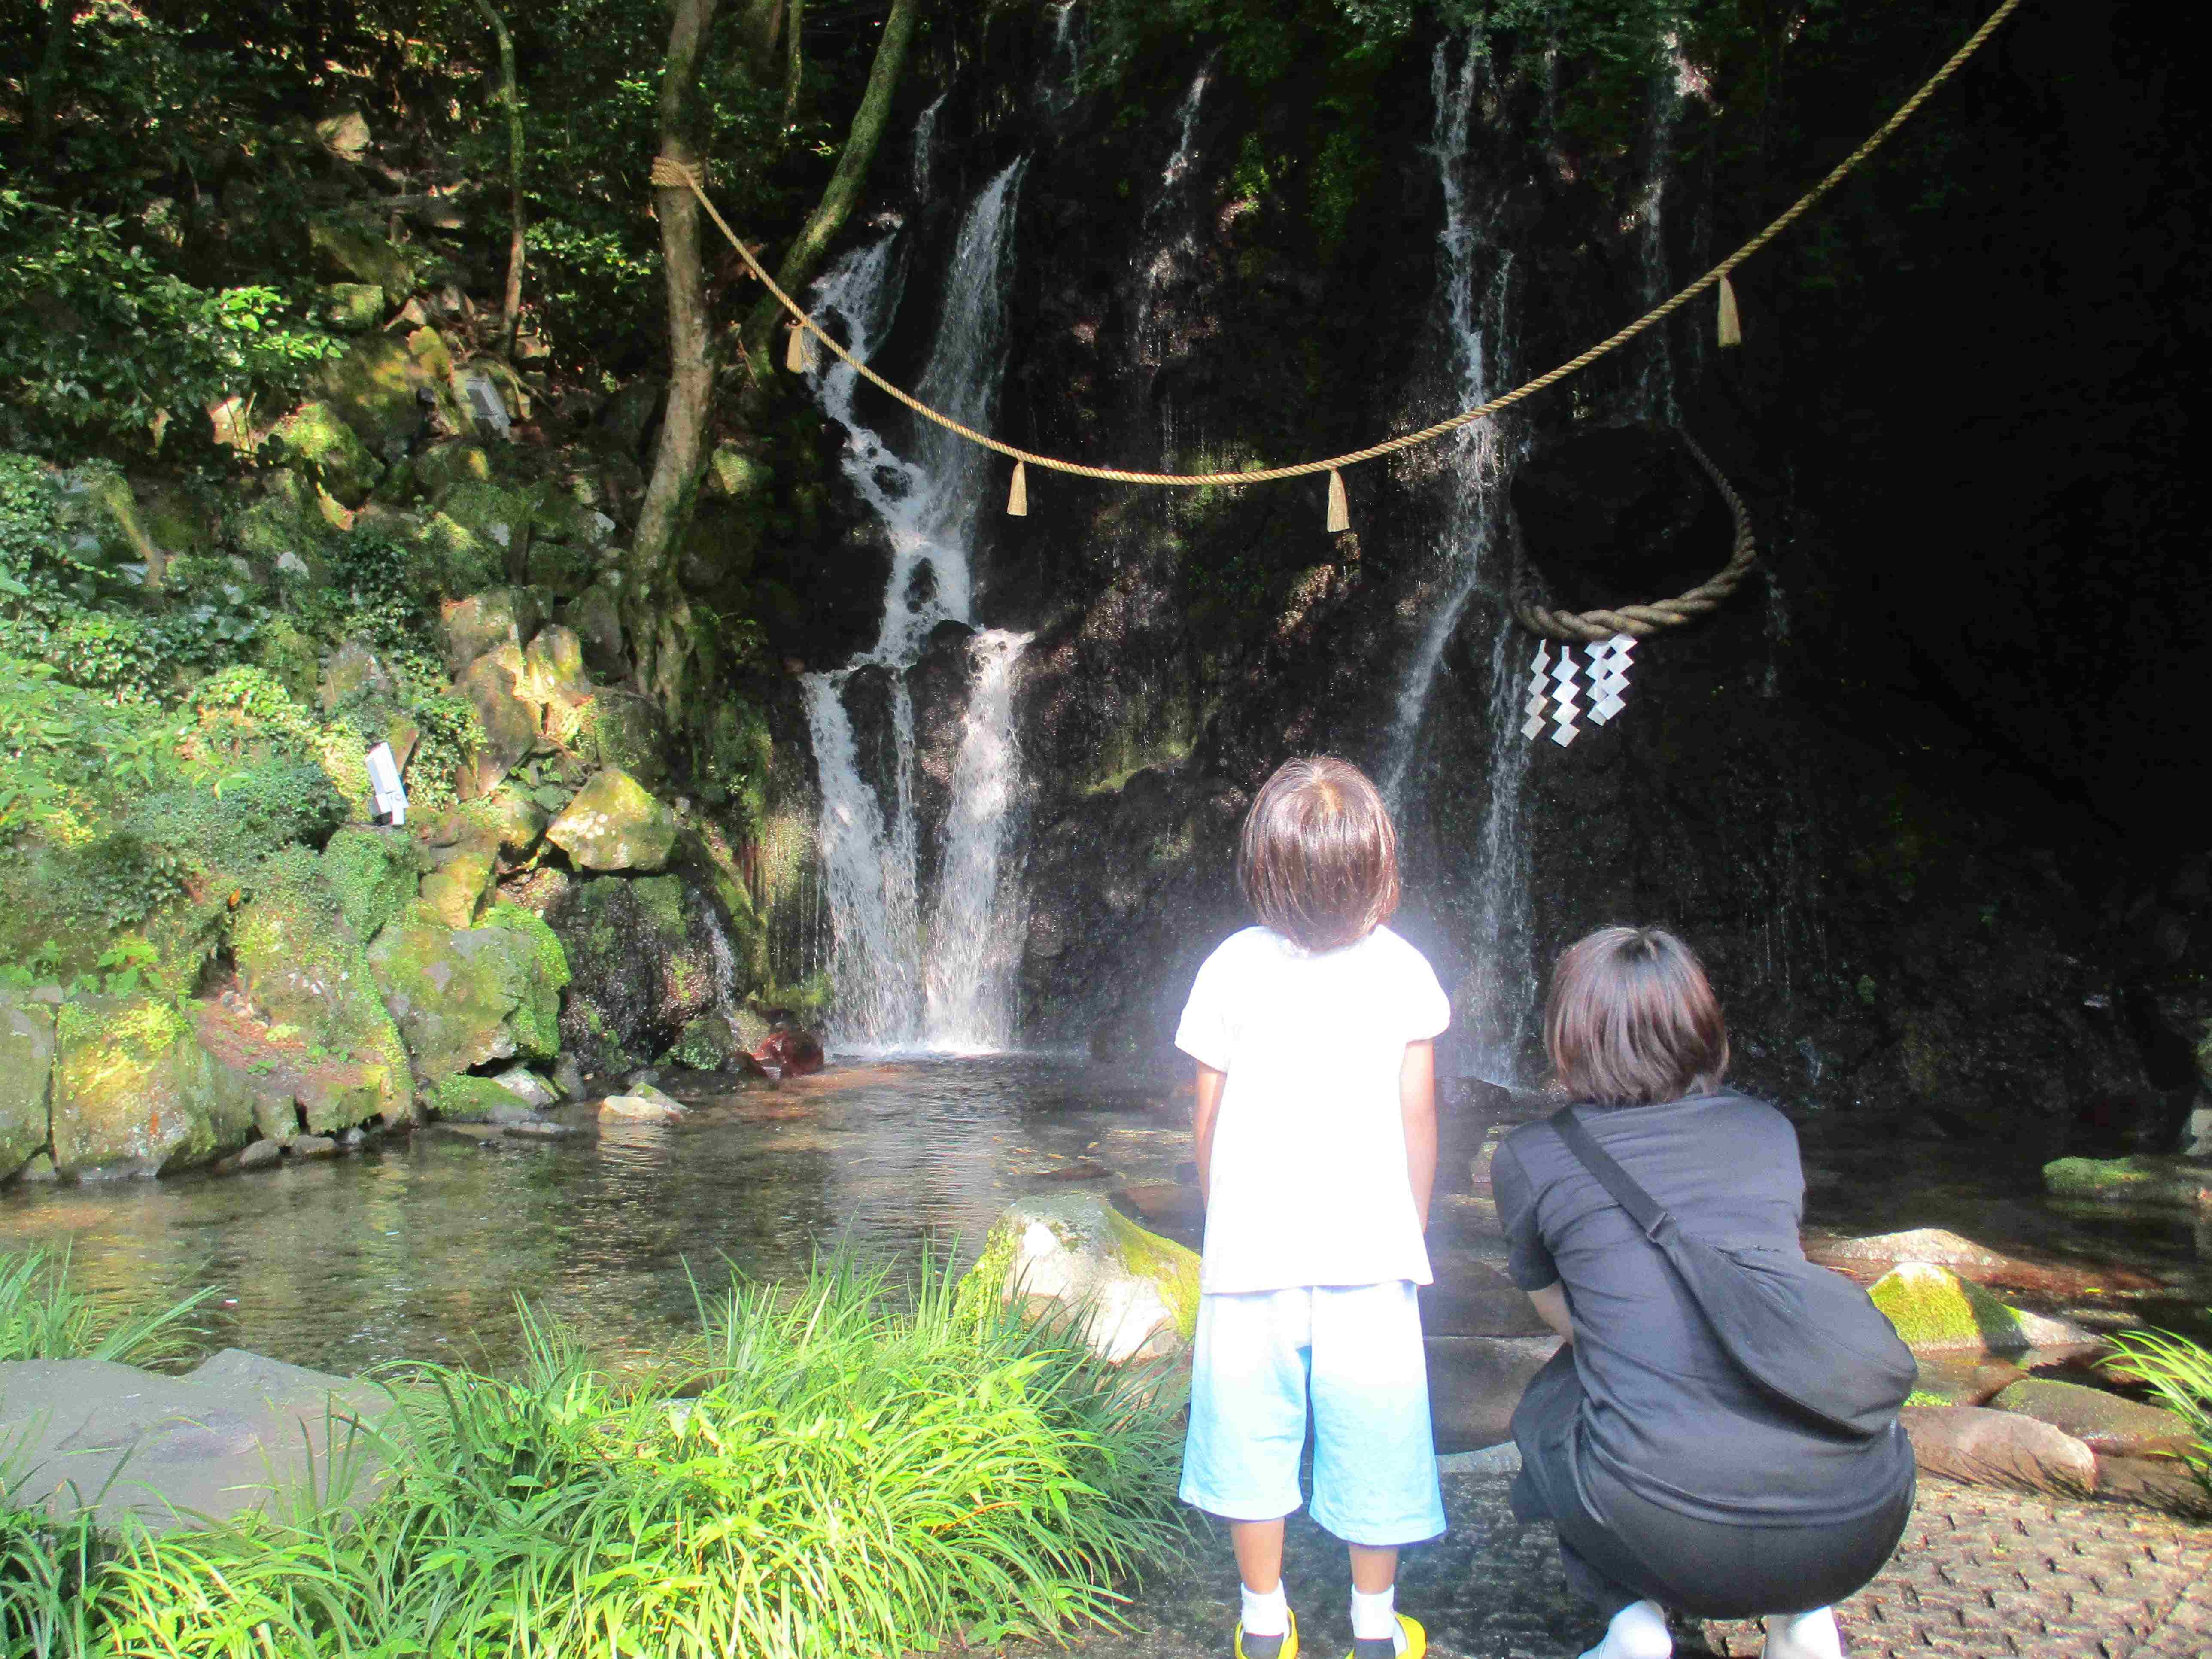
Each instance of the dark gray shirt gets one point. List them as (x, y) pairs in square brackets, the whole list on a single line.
[(1666, 1412)]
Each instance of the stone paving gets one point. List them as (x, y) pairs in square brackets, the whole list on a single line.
[(1981, 1573)]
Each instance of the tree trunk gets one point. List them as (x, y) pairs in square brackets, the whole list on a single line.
[(804, 258), (510, 310), (653, 608)]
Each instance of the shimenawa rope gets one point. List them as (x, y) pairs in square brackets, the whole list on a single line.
[(670, 173)]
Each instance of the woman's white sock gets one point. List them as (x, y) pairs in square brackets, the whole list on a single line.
[(1268, 1614), (1638, 1631), (1804, 1635), (1374, 1617)]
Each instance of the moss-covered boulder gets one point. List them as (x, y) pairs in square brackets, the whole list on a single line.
[(315, 440), (372, 872), (499, 515), (302, 964), (646, 956), (26, 1065), (1936, 1311), (134, 1093), (622, 730), (464, 997), (347, 250), (511, 727), (373, 389), (350, 308), (596, 615), (482, 622), (466, 1097), (710, 1043), (1132, 1295), (443, 466), (2179, 1183), (613, 823), (2104, 1422)]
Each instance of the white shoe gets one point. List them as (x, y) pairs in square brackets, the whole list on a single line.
[(1803, 1635), (1638, 1631)]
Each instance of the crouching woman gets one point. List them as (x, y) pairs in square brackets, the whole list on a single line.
[(1674, 1480)]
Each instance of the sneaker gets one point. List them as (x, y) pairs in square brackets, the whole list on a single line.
[(1267, 1647), (1386, 1647)]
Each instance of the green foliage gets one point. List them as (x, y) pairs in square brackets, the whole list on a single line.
[(2179, 1373), (244, 815), (99, 343), (63, 750), (43, 1317), (845, 1470)]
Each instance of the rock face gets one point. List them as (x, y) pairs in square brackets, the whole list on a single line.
[(1989, 1448), (26, 1063), (230, 1437), (134, 1093), (1935, 1311), (614, 824), (2183, 1183), (464, 997), (1132, 1295), (648, 954)]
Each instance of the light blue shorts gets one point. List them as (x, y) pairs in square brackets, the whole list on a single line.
[(1356, 1350)]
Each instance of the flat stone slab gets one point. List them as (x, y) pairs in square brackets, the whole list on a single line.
[(168, 1450), (1980, 1574)]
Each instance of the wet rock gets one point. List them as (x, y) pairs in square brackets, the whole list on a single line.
[(466, 1097), (2169, 1183), (176, 1451), (613, 823), (315, 440), (464, 997), (300, 960), (646, 963), (569, 1078), (1475, 1382), (1964, 1379), (1935, 1310), (540, 1128), (2105, 1423), (134, 1093), (1131, 1294), (258, 1155), (1082, 1170), (648, 1106), (791, 1052), (1871, 1257), (315, 1146), (706, 1044), (27, 1062), (1998, 1448), (526, 1086)]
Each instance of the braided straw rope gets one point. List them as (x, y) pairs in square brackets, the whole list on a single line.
[(1642, 621)]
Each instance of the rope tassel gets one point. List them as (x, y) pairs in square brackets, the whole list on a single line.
[(1339, 510), (1731, 327), (799, 350), (1017, 498)]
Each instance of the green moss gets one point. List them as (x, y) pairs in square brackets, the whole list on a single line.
[(1170, 1265), (253, 812), (372, 872), (465, 1097), (536, 1021), (1933, 1310), (315, 440)]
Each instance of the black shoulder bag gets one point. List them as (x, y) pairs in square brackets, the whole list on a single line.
[(1809, 1337)]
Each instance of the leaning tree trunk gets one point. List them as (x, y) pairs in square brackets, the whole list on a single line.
[(510, 310), (804, 257), (657, 621)]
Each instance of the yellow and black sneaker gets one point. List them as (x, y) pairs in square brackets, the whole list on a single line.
[(1386, 1647), (1267, 1647)]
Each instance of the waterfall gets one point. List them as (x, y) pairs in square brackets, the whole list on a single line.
[(1499, 1000), (1655, 379), (899, 985), (1174, 245), (924, 145), (1063, 67)]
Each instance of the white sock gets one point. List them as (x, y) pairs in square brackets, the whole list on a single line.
[(1374, 1617), (1268, 1614), (1804, 1635), (1638, 1631)]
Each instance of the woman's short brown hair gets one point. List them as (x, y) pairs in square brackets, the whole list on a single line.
[(1633, 1019), (1319, 858)]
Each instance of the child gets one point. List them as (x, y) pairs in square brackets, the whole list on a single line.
[(1316, 1148)]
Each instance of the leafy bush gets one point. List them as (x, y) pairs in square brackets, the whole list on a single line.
[(2179, 1372), (839, 1475), (239, 817)]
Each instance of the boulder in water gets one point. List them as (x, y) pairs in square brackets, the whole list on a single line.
[(644, 1105), (1871, 1257), (614, 824), (1935, 1310), (2169, 1183), (134, 1093), (790, 1051), (1131, 1294), (27, 1061)]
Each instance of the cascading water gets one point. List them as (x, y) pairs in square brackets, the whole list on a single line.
[(1477, 280), (924, 144), (898, 984), (1168, 232), (1655, 379), (1063, 72)]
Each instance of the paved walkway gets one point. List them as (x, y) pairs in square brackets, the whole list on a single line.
[(1982, 1573)]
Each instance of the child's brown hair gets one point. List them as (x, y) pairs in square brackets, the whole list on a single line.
[(1319, 857)]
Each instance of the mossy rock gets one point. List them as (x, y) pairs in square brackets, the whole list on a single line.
[(614, 824), (1935, 1311), (2105, 1423), (350, 308), (445, 467), (466, 1097), (733, 472), (26, 1065), (707, 1044), (464, 997), (459, 560), (484, 620), (622, 730), (596, 615), (561, 568), (2183, 1183), (276, 528), (257, 809), (134, 1093), (494, 514), (373, 389), (314, 439), (1131, 1294), (363, 256), (643, 953), (302, 963)]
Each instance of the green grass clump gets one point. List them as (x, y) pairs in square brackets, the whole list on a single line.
[(2179, 1371), (836, 1467), (42, 1318)]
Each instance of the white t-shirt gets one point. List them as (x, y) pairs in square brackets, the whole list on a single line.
[(1309, 1177)]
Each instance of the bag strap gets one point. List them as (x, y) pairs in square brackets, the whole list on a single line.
[(1643, 1209)]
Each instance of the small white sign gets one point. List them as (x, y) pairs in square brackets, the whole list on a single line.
[(383, 783)]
